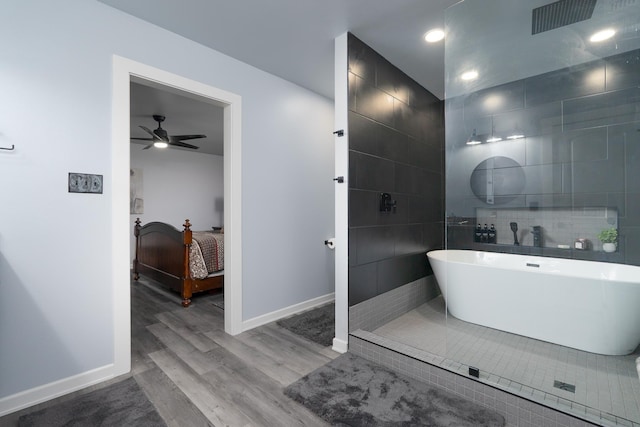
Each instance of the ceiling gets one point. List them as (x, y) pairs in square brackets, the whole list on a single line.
[(294, 39)]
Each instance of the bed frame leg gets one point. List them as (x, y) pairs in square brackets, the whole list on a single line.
[(186, 293)]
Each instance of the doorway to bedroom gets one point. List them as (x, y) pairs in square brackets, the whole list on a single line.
[(222, 207), (177, 175)]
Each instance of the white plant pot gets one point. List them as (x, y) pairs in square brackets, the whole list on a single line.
[(609, 247)]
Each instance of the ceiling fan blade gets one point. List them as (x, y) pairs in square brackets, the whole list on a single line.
[(150, 132), (184, 145), (143, 139), (161, 134), (148, 146), (183, 137)]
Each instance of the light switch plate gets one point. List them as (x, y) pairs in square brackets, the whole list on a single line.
[(85, 183)]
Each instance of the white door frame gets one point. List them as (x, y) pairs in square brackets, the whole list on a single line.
[(341, 120), (124, 71)]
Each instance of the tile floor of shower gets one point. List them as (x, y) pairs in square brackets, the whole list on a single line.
[(605, 386)]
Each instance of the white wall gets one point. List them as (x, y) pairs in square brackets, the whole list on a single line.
[(56, 295), (177, 185)]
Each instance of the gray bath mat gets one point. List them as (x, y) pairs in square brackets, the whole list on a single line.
[(317, 325), (351, 391), (120, 404)]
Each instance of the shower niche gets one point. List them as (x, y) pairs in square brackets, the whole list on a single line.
[(555, 228)]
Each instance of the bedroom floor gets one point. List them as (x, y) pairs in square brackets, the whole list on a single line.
[(197, 375)]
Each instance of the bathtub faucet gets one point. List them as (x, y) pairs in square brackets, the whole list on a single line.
[(514, 228), (537, 236)]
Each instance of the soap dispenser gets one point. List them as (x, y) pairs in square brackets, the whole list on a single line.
[(493, 235), (485, 234), (477, 236)]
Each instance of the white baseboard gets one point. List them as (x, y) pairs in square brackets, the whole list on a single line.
[(339, 346), (286, 312), (46, 392)]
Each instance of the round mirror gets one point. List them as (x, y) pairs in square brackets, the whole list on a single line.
[(497, 180)]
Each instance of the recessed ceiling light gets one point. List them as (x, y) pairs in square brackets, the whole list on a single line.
[(602, 35), (434, 35), (469, 75)]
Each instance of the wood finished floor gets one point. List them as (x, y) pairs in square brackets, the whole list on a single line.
[(197, 375)]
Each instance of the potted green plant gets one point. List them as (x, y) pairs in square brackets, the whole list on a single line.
[(608, 237)]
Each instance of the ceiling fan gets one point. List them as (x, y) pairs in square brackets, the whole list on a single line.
[(161, 139)]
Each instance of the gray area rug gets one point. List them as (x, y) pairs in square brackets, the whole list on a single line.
[(120, 404), (317, 325), (351, 391)]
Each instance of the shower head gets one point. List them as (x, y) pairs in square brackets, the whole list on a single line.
[(560, 14)]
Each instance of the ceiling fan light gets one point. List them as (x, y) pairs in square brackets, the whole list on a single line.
[(160, 144)]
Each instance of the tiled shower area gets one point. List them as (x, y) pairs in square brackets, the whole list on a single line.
[(530, 382), (602, 389)]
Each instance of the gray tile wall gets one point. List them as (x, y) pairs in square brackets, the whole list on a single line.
[(582, 146), (396, 141)]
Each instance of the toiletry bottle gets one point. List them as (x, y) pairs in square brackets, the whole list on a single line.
[(492, 234), (485, 234), (477, 236)]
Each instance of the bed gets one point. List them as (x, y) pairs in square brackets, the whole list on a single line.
[(185, 261)]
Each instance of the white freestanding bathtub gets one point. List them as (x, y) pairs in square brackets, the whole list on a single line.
[(590, 306)]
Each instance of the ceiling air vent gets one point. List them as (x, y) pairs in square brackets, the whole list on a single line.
[(560, 13)]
